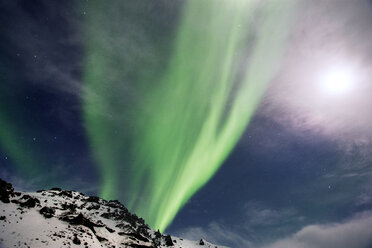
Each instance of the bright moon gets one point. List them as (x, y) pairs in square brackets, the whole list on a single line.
[(337, 81)]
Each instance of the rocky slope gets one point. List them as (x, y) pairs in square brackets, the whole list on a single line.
[(59, 218)]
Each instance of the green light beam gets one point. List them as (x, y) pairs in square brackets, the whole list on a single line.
[(189, 119)]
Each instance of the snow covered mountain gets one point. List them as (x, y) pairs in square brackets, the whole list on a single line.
[(58, 218)]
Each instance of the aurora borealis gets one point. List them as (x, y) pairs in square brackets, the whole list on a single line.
[(243, 122), (200, 104)]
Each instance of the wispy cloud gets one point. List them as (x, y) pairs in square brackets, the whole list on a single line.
[(355, 233), (216, 233), (364, 199), (257, 214), (19, 183), (320, 42), (256, 217)]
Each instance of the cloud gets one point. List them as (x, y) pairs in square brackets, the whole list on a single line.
[(48, 57), (320, 43), (70, 182), (364, 199), (355, 233), (216, 233), (260, 215), (18, 182), (257, 224)]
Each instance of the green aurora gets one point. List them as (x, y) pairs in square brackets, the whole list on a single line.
[(15, 140), (161, 129)]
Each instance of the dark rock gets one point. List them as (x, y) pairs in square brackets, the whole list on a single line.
[(138, 246), (25, 197), (135, 235), (144, 230), (158, 234), (156, 242), (168, 240), (133, 219), (117, 204), (81, 220), (56, 189), (6, 190), (111, 216), (68, 206), (30, 203), (47, 212), (76, 240), (201, 242), (93, 206), (141, 221), (2, 217), (117, 215), (139, 236), (93, 199), (110, 230), (157, 239), (101, 239), (66, 193), (124, 226)]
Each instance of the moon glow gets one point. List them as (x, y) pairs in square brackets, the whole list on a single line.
[(338, 81)]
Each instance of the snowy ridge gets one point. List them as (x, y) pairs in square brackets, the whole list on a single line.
[(58, 218)]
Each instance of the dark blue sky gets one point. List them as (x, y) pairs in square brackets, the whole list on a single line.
[(302, 167)]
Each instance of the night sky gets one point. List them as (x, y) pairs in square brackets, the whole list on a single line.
[(145, 102)]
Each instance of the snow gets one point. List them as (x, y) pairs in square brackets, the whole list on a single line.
[(78, 221)]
